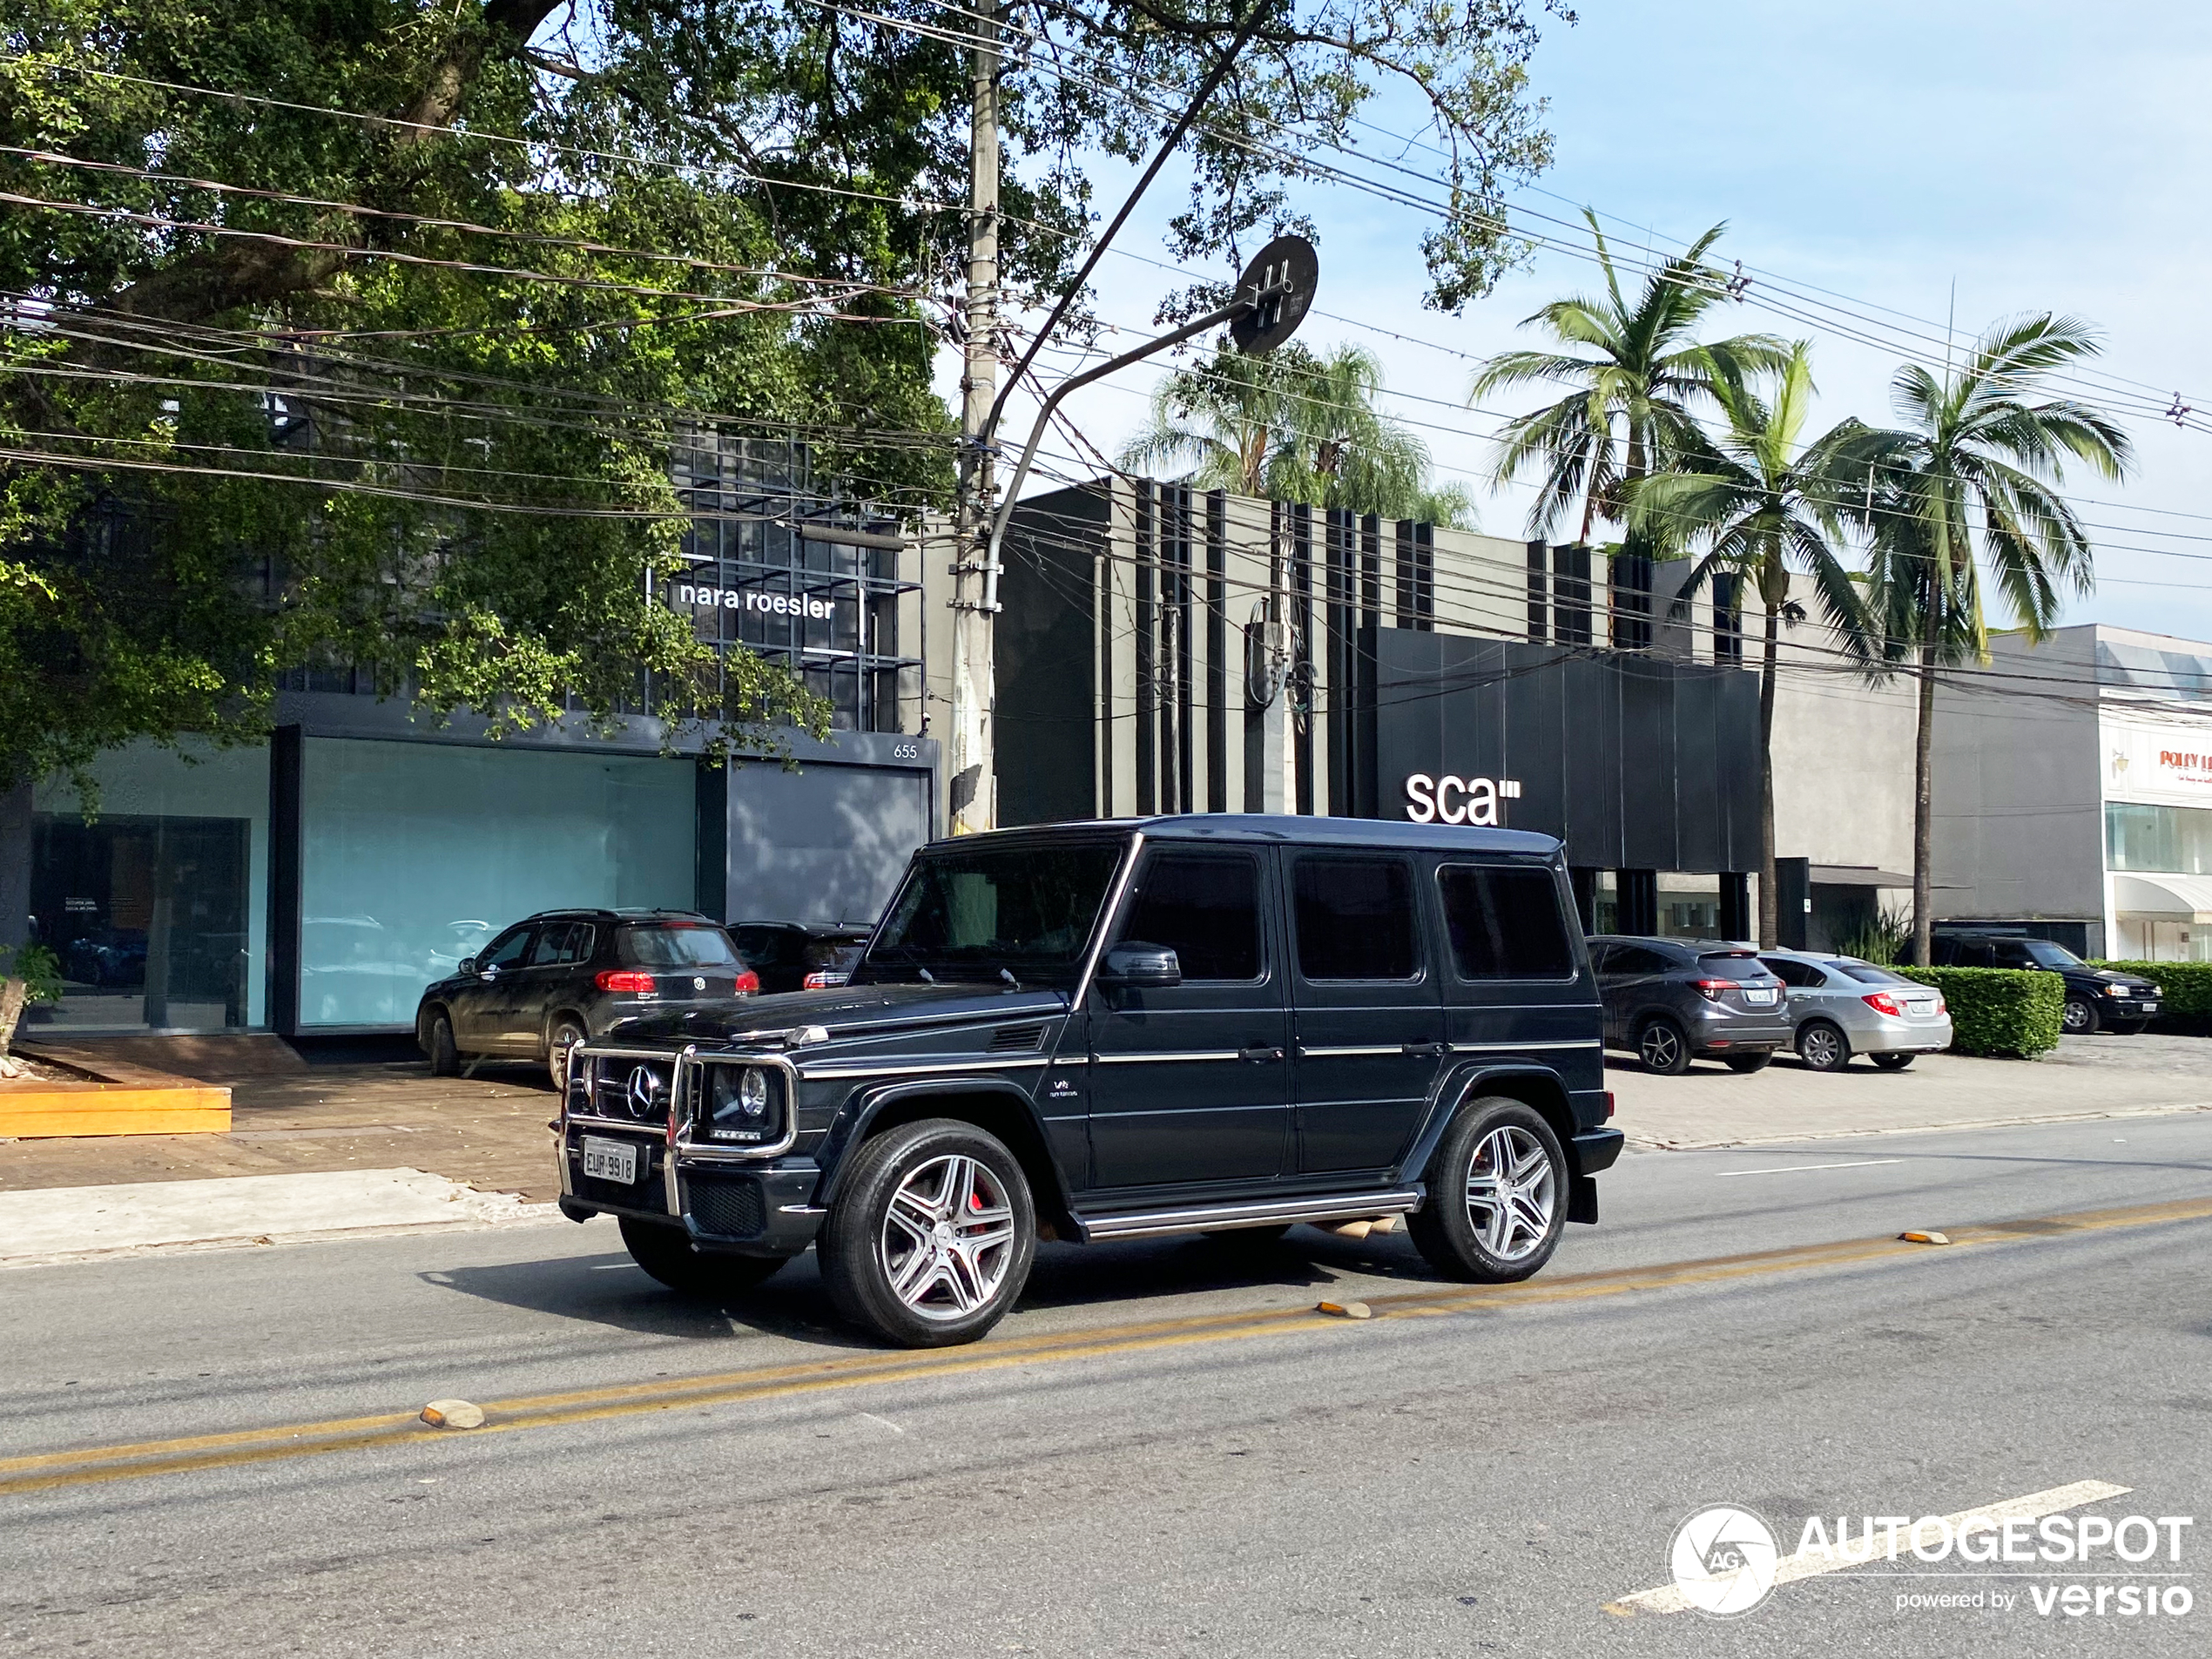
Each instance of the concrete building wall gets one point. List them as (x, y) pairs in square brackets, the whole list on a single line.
[(1843, 757), (2018, 793)]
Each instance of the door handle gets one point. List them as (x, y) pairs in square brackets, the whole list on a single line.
[(1427, 1050), (1260, 1057)]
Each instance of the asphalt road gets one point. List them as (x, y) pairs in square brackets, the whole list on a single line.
[(1163, 1452)]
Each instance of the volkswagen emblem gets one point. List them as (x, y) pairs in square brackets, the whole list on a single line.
[(698, 985), (643, 1087)]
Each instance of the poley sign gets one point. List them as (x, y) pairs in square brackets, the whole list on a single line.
[(1453, 799)]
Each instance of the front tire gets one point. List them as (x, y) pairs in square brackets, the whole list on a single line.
[(1663, 1046), (445, 1055), (666, 1253), (2080, 1017), (1823, 1046), (1497, 1194), (931, 1240)]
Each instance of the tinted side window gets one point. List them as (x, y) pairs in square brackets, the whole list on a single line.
[(1505, 923), (1792, 972), (552, 941), (1636, 959), (1355, 918), (506, 950), (1205, 909)]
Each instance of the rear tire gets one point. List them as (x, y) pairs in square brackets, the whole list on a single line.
[(1891, 1061), (2080, 1018), (1663, 1046), (1748, 1063), (1823, 1047), (567, 1033), (666, 1253), (1497, 1194), (930, 1241), (445, 1057)]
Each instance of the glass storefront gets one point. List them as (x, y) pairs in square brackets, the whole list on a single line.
[(2174, 840), (155, 902), (1690, 905), (413, 854)]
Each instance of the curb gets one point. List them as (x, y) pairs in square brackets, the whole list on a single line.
[(1655, 1144)]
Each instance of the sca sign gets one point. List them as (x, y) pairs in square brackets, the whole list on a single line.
[(1450, 799)]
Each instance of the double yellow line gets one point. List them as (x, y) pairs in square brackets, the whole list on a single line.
[(91, 1466)]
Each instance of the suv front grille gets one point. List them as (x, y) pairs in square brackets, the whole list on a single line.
[(729, 1206), (623, 1088)]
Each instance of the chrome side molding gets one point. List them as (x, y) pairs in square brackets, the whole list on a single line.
[(1397, 1201)]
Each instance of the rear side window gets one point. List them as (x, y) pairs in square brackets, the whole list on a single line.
[(677, 944), (1623, 960), (1792, 972), (1731, 965), (1505, 923), (1204, 907), (1355, 918), (562, 944)]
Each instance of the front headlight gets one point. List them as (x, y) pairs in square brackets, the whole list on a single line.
[(2154, 991), (744, 1105), (2115, 990)]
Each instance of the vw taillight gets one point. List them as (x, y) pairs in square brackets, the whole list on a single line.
[(624, 979), (746, 980)]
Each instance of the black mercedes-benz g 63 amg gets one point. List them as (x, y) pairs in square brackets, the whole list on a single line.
[(1112, 1030)]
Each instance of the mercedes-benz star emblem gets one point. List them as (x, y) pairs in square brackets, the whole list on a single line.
[(643, 1087)]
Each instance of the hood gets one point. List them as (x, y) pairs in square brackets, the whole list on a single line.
[(2111, 977), (844, 1011)]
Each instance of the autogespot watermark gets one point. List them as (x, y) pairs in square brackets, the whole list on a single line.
[(2024, 1556)]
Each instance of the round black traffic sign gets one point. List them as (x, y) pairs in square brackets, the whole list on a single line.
[(1282, 279)]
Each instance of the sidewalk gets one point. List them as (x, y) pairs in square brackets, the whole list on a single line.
[(2084, 1077)]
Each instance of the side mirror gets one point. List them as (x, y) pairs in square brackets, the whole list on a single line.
[(1138, 965), (466, 965)]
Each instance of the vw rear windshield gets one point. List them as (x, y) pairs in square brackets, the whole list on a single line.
[(676, 944), (981, 914)]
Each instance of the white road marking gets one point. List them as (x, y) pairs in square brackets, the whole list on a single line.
[(1668, 1598), (883, 1422), (615, 1267), (1792, 1169)]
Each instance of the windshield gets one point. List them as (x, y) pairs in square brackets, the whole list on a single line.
[(677, 944), (966, 916), (2044, 954)]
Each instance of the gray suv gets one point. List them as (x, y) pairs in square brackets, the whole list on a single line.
[(1673, 1000)]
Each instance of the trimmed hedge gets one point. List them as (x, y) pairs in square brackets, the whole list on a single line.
[(2186, 985), (1997, 1011)]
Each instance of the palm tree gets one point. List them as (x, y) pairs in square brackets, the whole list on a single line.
[(1638, 378), (1764, 509), (1294, 426), (1966, 493)]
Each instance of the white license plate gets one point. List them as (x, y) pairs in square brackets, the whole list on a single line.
[(1759, 998), (1920, 1005), (2150, 1007), (610, 1160)]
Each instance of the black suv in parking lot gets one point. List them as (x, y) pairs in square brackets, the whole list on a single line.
[(1115, 1030), (1668, 1000), (800, 955), (546, 984), (2097, 999)]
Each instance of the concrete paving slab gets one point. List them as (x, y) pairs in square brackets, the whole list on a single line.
[(77, 1223)]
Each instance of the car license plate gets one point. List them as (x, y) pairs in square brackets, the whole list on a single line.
[(1922, 1005), (2150, 1007), (1758, 998), (610, 1160)]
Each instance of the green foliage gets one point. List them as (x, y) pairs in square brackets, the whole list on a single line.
[(1881, 938), (278, 387), (1999, 1011), (1294, 425), (2185, 988), (39, 969)]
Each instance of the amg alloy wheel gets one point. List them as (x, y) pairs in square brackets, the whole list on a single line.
[(1823, 1047), (1662, 1047), (1497, 1190), (930, 1241)]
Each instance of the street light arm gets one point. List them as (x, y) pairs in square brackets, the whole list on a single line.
[(1229, 312)]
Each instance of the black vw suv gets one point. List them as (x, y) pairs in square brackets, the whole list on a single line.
[(1115, 1030)]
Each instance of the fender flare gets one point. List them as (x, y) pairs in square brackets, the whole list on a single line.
[(1468, 1078), (859, 1114)]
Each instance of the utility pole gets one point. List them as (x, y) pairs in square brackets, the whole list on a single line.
[(974, 788)]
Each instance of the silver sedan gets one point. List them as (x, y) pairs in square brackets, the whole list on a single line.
[(1840, 1006)]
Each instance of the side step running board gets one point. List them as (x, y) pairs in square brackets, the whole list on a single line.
[(1273, 1212)]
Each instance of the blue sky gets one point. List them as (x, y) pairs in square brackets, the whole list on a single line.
[(2038, 156)]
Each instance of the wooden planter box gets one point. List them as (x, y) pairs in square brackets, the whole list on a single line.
[(113, 1098)]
